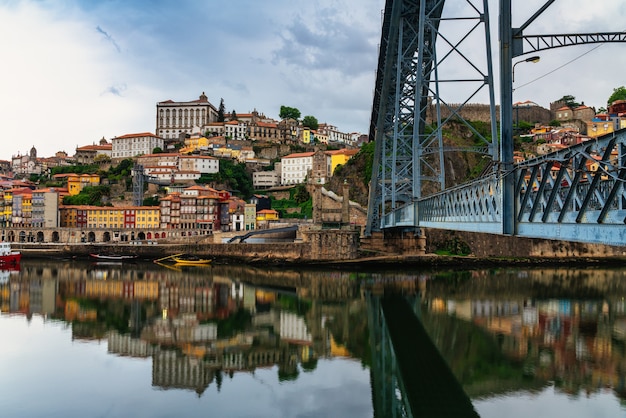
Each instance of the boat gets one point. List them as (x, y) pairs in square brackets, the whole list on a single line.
[(112, 257), (9, 257), (183, 259), (189, 260)]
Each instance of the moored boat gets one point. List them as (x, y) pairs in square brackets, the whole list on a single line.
[(190, 260), (9, 257), (112, 257)]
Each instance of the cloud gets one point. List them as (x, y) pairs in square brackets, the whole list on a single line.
[(116, 90), (109, 38)]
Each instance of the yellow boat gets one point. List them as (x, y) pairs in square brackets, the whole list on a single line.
[(190, 260)]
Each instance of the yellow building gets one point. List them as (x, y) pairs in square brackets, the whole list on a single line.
[(76, 183), (340, 157), (267, 215), (7, 210), (308, 136), (598, 128), (148, 217), (104, 217), (195, 144)]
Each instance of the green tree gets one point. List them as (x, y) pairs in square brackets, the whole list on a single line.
[(287, 112), (570, 101), (619, 93), (310, 122), (157, 150), (301, 195), (90, 195), (233, 115), (220, 111)]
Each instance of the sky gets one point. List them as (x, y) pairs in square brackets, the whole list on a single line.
[(75, 71)]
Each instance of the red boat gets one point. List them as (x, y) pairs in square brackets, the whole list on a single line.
[(7, 256)]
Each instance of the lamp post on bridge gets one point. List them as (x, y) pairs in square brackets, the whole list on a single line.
[(533, 59)]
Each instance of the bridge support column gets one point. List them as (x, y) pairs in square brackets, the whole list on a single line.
[(332, 244)]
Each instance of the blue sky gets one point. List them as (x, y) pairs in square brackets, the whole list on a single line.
[(76, 71)]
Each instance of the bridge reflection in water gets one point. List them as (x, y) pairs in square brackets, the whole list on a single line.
[(409, 375), (541, 339)]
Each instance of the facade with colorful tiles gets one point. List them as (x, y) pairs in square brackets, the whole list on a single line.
[(176, 118), (133, 145)]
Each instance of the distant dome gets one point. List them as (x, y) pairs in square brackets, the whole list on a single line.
[(103, 141), (33, 152)]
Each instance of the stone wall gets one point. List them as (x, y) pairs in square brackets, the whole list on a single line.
[(334, 244), (394, 243), (491, 245)]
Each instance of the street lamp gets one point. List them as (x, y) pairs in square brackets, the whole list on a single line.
[(533, 59)]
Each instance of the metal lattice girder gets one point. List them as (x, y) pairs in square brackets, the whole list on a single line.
[(475, 206), (408, 156), (537, 43), (576, 194)]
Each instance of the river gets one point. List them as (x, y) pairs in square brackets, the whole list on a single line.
[(81, 339)]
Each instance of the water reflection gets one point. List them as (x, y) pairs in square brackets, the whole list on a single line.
[(555, 334), (196, 324)]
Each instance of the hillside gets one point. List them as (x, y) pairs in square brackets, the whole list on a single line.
[(459, 166)]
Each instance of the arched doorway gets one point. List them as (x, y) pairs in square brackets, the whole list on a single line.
[(91, 237), (141, 236), (40, 236), (11, 236), (55, 236), (149, 235), (22, 236), (106, 237)]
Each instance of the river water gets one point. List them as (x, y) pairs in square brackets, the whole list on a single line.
[(83, 339)]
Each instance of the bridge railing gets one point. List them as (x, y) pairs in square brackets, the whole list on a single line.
[(574, 194), (475, 206)]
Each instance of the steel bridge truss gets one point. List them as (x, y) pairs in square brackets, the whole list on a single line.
[(575, 194), (408, 156)]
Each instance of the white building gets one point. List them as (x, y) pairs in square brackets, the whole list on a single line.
[(174, 118), (332, 134), (265, 179), (295, 167), (201, 164), (133, 145)]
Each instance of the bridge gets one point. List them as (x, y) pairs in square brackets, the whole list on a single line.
[(575, 194)]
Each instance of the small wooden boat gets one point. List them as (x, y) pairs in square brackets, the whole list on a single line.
[(112, 257), (7, 256), (190, 260)]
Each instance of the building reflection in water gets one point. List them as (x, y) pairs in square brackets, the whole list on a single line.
[(196, 324), (500, 331)]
